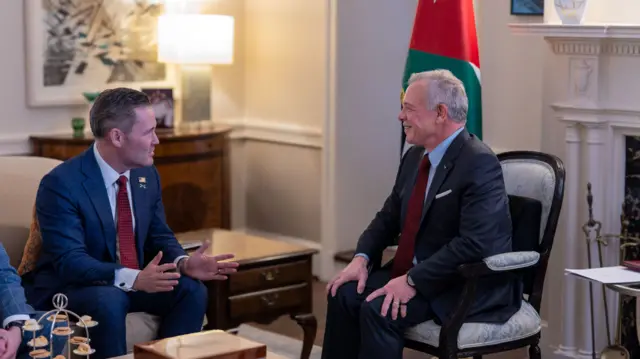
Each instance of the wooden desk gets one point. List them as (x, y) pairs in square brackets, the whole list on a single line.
[(194, 173), (274, 279)]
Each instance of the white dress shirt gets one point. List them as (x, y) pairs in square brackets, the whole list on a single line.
[(124, 277)]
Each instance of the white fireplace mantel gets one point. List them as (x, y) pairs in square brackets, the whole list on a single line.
[(594, 84), (619, 40)]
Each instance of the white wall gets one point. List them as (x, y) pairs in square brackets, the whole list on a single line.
[(512, 73), (17, 121)]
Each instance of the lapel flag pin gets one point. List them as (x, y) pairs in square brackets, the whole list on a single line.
[(142, 179)]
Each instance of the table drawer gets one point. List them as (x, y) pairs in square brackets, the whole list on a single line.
[(253, 304), (269, 277)]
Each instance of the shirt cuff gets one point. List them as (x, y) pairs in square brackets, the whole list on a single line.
[(15, 317), (177, 260), (124, 278), (363, 256)]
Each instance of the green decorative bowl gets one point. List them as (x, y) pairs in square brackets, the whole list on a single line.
[(90, 96)]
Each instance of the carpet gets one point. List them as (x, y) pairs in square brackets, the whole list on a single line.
[(278, 344)]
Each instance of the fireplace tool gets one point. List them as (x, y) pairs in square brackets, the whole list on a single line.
[(587, 228), (612, 351)]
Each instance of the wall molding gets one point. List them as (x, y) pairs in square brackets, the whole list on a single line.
[(275, 132), (18, 143), (243, 129)]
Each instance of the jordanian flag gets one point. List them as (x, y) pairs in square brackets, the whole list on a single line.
[(444, 37)]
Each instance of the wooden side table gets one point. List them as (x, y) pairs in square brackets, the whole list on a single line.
[(194, 173), (274, 279)]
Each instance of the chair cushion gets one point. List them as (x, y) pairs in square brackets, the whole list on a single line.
[(531, 179), (524, 323), (141, 327)]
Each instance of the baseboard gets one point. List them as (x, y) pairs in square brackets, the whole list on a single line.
[(293, 240)]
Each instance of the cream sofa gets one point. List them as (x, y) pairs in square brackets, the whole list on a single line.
[(20, 177)]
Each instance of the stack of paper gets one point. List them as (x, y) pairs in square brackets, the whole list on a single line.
[(608, 275)]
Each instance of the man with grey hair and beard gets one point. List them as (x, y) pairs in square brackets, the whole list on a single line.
[(448, 207)]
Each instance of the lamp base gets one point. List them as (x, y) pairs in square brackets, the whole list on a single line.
[(196, 93)]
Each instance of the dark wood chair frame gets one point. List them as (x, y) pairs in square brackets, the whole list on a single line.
[(448, 345)]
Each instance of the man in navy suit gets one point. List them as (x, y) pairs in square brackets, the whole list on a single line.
[(105, 241), (449, 206), (15, 311)]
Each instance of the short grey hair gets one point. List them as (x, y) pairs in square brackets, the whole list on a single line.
[(444, 88)]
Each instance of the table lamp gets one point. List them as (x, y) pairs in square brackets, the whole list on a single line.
[(195, 41)]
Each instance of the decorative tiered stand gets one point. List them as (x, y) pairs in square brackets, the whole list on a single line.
[(62, 315)]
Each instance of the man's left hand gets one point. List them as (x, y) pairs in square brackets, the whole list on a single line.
[(12, 340), (398, 292), (205, 267)]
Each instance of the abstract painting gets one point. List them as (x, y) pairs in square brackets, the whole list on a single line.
[(75, 46), (527, 7)]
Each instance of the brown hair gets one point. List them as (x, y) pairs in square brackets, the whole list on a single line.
[(114, 108)]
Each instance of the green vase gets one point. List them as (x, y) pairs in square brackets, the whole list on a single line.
[(77, 124)]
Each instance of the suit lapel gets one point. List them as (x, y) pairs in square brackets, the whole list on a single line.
[(444, 168), (138, 191), (96, 190)]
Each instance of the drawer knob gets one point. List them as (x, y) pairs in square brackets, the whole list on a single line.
[(269, 300), (270, 275)]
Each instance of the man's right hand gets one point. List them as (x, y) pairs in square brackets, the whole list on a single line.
[(156, 278), (355, 271)]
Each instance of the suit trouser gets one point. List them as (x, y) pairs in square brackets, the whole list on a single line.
[(356, 329), (59, 342), (182, 311)]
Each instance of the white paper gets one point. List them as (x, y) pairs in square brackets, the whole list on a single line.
[(608, 275)]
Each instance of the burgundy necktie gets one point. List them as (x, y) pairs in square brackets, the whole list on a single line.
[(126, 238), (403, 260)]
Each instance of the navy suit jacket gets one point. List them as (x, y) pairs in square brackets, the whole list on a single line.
[(79, 233), (12, 298), (469, 221)]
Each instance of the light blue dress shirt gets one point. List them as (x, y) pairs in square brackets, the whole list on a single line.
[(435, 157)]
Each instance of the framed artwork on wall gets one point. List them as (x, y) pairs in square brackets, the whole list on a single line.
[(76, 46), (527, 7)]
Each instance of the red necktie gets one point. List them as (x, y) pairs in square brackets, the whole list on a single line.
[(403, 260), (126, 238)]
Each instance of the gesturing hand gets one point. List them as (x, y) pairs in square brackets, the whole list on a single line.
[(397, 291), (356, 270), (155, 277), (9, 342), (204, 267)]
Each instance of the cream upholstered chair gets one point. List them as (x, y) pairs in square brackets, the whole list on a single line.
[(536, 181), (21, 177)]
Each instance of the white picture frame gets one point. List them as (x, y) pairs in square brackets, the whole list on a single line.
[(97, 56)]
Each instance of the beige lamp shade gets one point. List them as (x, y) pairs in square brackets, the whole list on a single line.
[(195, 39)]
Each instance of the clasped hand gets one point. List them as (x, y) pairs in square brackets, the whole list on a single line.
[(156, 277)]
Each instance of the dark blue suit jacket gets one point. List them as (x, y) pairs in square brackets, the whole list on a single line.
[(12, 298), (78, 230), (469, 222)]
